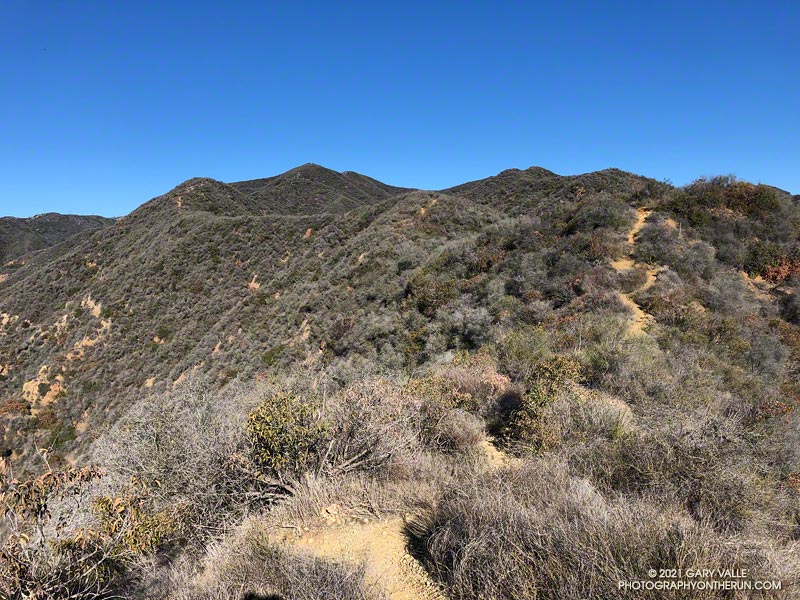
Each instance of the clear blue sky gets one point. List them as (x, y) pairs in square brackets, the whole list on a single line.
[(104, 105)]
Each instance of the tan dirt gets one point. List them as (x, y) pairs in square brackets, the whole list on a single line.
[(30, 389), (3, 277), (301, 336), (496, 458), (640, 318), (652, 273), (61, 324), (757, 285), (79, 348), (382, 546), (95, 308), (187, 373), (622, 264), (641, 217), (56, 388)]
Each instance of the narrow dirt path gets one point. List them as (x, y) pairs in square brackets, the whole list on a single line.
[(382, 546), (641, 217), (640, 317)]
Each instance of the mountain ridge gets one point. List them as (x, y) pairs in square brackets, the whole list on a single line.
[(19, 236), (314, 173), (308, 266)]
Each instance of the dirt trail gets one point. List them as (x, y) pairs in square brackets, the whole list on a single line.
[(382, 546), (640, 318), (641, 217)]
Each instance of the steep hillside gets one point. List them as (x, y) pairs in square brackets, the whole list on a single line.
[(190, 281), (336, 352), (21, 236)]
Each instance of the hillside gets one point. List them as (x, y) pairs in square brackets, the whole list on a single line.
[(592, 357), (219, 282), (21, 236)]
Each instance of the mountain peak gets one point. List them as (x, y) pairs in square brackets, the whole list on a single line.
[(310, 170), (312, 188)]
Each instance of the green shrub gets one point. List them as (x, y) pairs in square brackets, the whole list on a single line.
[(430, 292), (130, 519), (283, 433), (46, 553), (523, 420), (271, 356)]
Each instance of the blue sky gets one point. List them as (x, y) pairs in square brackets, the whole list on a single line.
[(104, 105)]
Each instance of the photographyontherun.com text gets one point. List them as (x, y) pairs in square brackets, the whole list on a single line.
[(699, 580)]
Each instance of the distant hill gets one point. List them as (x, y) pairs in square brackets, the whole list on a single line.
[(310, 189), (20, 236), (321, 268)]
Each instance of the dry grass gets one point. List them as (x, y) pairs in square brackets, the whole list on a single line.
[(248, 564), (537, 532)]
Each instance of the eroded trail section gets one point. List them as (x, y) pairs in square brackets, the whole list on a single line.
[(382, 546), (640, 317)]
